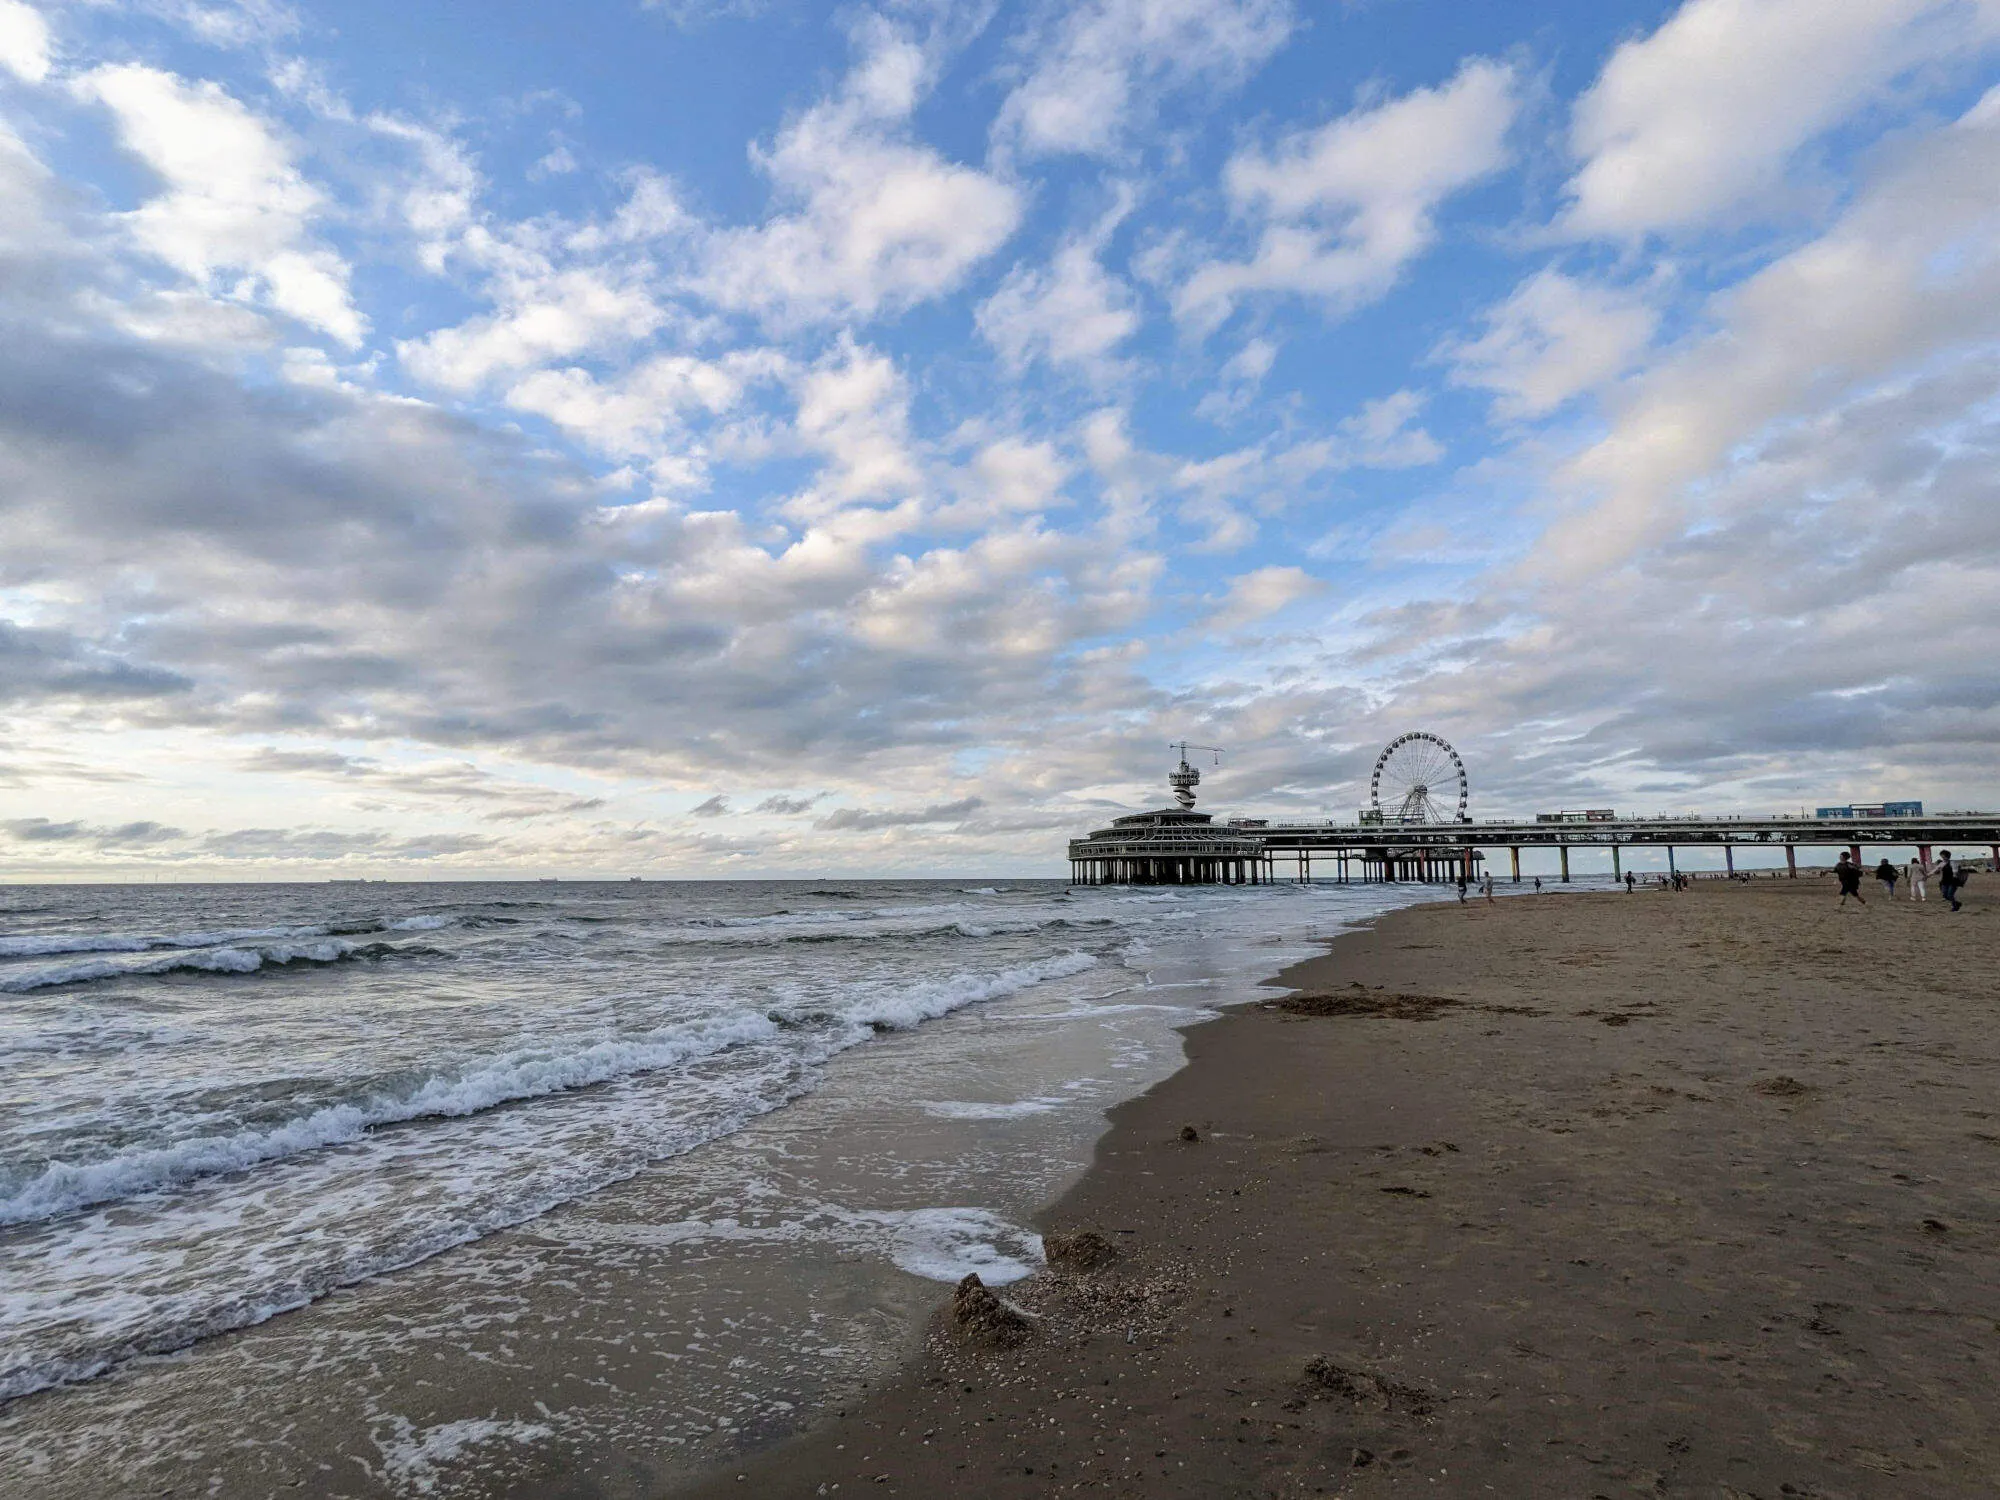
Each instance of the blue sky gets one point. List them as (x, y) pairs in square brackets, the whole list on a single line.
[(752, 438)]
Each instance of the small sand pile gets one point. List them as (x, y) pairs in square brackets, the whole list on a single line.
[(1358, 1001), (1366, 1389), (984, 1319), (1085, 1251)]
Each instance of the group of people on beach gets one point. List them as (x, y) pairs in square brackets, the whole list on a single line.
[(1919, 871)]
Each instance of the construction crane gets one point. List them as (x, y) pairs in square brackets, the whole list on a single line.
[(1184, 778)]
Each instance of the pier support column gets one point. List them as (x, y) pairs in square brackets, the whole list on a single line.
[(1672, 868), (1729, 857), (1924, 853), (1617, 870), (1791, 861), (1514, 854), (1564, 850), (1854, 853)]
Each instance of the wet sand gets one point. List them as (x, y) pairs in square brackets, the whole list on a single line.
[(1567, 1195)]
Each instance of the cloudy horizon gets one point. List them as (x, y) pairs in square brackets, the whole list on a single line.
[(711, 437)]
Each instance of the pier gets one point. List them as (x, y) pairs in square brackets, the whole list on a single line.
[(1421, 833)]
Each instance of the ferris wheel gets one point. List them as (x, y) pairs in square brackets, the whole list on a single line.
[(1418, 779)]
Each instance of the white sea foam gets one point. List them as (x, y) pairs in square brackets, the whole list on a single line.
[(412, 1456), (529, 1073), (63, 1186), (938, 1244), (230, 960), (48, 944), (968, 1109)]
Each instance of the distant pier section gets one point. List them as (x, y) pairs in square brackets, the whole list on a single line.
[(1416, 828)]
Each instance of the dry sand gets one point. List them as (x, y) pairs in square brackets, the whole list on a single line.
[(1568, 1195)]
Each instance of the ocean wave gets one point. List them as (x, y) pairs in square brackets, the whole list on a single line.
[(716, 935), (215, 961), (63, 1187), (48, 944)]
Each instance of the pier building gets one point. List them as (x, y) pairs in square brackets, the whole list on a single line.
[(1416, 828)]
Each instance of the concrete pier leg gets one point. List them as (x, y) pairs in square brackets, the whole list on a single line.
[(1854, 853), (1564, 850), (1729, 857), (1617, 871), (1791, 861), (1672, 868), (1515, 855)]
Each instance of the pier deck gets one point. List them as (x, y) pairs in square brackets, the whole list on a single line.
[(1179, 847)]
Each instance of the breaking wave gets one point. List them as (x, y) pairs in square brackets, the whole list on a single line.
[(529, 1073)]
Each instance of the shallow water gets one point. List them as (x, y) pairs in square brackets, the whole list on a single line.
[(761, 1113)]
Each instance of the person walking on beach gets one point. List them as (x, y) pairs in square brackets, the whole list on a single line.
[(1919, 871), (1538, 882), (1461, 888), (1886, 873), (1950, 881), (1848, 873), (1629, 882), (1486, 885)]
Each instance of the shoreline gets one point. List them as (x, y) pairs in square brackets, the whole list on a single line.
[(1571, 1194)]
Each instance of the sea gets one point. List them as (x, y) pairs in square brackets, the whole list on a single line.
[(451, 1188)]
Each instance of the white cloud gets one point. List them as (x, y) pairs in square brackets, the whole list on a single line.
[(1382, 435), (1908, 271), (1345, 207), (874, 221), (645, 412), (1095, 75), (1702, 116), (854, 407), (1007, 478), (1238, 380), (1072, 314), (1262, 592), (234, 198), (1553, 339), (24, 41), (560, 289)]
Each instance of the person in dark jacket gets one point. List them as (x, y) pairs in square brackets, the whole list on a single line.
[(1848, 873), (1950, 880), (1888, 875)]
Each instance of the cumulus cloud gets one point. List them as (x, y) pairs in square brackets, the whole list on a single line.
[(496, 798), (1261, 592), (790, 807), (864, 820), (1907, 272), (43, 664), (1555, 338), (1341, 210), (1701, 117), (1071, 313), (122, 836), (233, 199), (871, 220), (24, 41), (1095, 70), (715, 807)]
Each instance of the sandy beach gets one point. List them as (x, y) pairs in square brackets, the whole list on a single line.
[(1572, 1194)]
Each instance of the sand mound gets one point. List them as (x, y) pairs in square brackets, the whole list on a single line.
[(1085, 1251), (984, 1319), (1357, 1001)]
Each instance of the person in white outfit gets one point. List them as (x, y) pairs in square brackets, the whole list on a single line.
[(1919, 871)]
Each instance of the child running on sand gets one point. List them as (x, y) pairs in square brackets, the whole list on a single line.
[(1849, 875), (1886, 873), (1919, 871)]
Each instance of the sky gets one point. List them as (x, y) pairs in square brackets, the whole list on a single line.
[(722, 438)]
